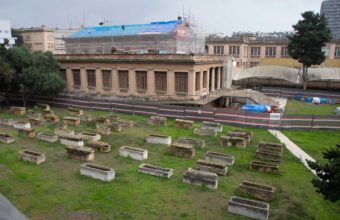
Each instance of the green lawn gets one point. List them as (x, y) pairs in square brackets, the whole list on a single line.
[(295, 107), (56, 190)]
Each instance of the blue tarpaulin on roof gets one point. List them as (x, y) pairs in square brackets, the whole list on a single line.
[(134, 29)]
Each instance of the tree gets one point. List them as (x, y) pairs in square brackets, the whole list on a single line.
[(310, 35), (328, 183)]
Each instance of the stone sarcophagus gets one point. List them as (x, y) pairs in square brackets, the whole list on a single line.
[(257, 191), (6, 122), (158, 139), (72, 140), (103, 120), (125, 123), (42, 106), (205, 132), (264, 167), (100, 146), (194, 142), (97, 172), (157, 120), (133, 153), (104, 130), (90, 136), (228, 141), (213, 167), (47, 137), (212, 126), (51, 116), (115, 127), (225, 159), (21, 125), (180, 123), (31, 156), (201, 178), (247, 134), (182, 150), (268, 155), (240, 134), (80, 153), (37, 121), (6, 138), (75, 111), (71, 121), (63, 131), (155, 170), (272, 147), (249, 208), (17, 110), (27, 132)]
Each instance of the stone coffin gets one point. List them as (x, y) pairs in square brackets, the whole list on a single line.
[(133, 152), (27, 132), (115, 127), (269, 146), (249, 134), (201, 178), (72, 140), (257, 191), (6, 122), (75, 112), (194, 142), (80, 153), (102, 120), (49, 115), (264, 167), (18, 110), (62, 131), (47, 137), (268, 155), (180, 123), (182, 150), (155, 170), (31, 156), (205, 132), (212, 126), (90, 136), (105, 130), (100, 146), (6, 138), (42, 106), (38, 121), (21, 125), (157, 120), (71, 121), (249, 208), (241, 134), (225, 159), (97, 172), (213, 167), (126, 123), (239, 142), (158, 139)]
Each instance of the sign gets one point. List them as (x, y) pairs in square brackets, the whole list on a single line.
[(275, 116)]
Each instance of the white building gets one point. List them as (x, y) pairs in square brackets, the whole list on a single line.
[(5, 33)]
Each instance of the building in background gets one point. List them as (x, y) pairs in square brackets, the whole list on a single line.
[(331, 10), (6, 34), (59, 39)]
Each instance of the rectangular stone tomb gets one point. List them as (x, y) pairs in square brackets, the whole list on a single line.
[(269, 146), (158, 139), (47, 137), (264, 167), (225, 159), (126, 123), (21, 125), (72, 140), (103, 120), (239, 142), (42, 106), (31, 156), (105, 130), (240, 134), (257, 191), (194, 142), (100, 146), (90, 136), (38, 121), (115, 127), (6, 122), (157, 120), (75, 111), (205, 132), (201, 178), (182, 150), (155, 170), (18, 110), (249, 208), (49, 115), (133, 152), (80, 153), (6, 138), (212, 126), (71, 120), (60, 131), (180, 123), (213, 167), (268, 155), (27, 132), (97, 172), (248, 133)]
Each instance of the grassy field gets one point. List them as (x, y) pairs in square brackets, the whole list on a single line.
[(56, 190), (295, 107)]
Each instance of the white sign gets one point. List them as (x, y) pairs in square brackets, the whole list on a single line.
[(275, 116)]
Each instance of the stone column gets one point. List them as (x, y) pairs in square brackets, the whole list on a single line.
[(218, 73), (99, 80), (208, 81), (201, 81), (171, 83), (151, 88), (191, 83), (69, 79), (221, 77), (83, 80), (213, 76), (132, 82), (115, 83)]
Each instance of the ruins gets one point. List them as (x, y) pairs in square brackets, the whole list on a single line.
[(47, 137), (72, 140), (31, 156), (182, 150), (21, 125), (6, 138), (212, 126), (194, 142), (213, 167), (27, 132), (97, 172), (100, 146), (249, 208), (157, 120), (201, 178), (18, 110), (180, 123), (257, 191), (75, 112), (226, 159), (80, 153), (42, 106), (155, 170), (264, 166), (158, 139), (6, 122), (133, 153), (229, 141), (71, 121), (90, 136), (205, 132)]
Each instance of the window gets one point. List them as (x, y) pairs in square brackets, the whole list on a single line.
[(205, 78), (27, 38), (218, 49), (107, 79), (141, 77), (62, 74), (123, 77), (337, 52), (255, 51), (50, 37), (161, 81), (270, 51), (91, 78), (198, 81), (76, 77), (234, 50), (284, 52), (181, 82), (253, 64)]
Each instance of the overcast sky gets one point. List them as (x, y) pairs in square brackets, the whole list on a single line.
[(215, 16)]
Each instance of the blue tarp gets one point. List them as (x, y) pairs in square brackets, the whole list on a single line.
[(322, 100), (123, 30), (256, 108)]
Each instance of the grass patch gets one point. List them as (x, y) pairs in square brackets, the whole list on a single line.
[(295, 107)]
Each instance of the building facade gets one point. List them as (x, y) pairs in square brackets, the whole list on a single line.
[(331, 10), (38, 38), (6, 34)]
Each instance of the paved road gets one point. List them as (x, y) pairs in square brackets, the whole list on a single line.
[(8, 211)]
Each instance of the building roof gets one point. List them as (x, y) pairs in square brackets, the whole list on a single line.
[(124, 30)]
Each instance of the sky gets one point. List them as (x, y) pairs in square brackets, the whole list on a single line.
[(214, 16)]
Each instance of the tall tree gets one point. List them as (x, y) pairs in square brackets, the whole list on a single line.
[(328, 183), (310, 35)]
